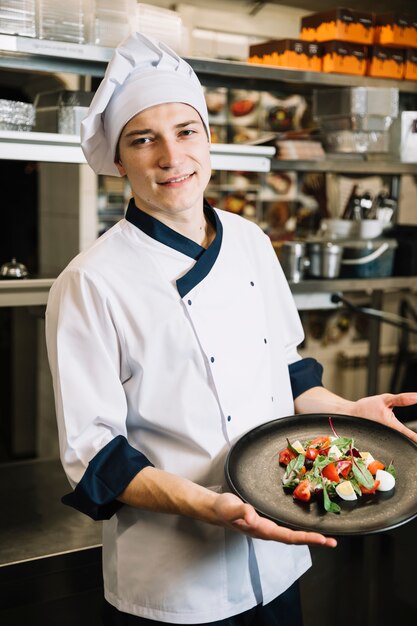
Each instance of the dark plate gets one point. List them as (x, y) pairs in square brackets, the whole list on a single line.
[(254, 474)]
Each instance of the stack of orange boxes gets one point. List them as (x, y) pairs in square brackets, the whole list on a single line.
[(344, 34), (347, 41), (394, 53), (288, 53)]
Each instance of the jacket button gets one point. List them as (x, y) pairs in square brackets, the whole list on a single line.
[(252, 283), (229, 417), (189, 302), (212, 359)]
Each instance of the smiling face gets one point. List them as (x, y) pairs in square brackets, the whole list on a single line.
[(165, 154)]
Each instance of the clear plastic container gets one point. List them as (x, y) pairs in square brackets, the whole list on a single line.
[(63, 21), (111, 22), (17, 17), (162, 24), (61, 111)]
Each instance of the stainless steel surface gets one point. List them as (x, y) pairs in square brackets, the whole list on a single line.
[(361, 284), (325, 258), (34, 523), (293, 260), (346, 165)]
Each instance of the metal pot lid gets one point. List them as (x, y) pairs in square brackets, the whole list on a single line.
[(13, 270)]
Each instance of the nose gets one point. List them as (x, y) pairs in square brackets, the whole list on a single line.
[(171, 153)]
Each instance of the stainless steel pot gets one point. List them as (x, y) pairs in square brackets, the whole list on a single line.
[(294, 260), (325, 259)]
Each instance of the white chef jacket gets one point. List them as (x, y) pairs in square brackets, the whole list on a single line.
[(165, 353)]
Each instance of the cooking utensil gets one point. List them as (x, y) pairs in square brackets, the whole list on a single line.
[(13, 270), (325, 258), (293, 260), (254, 474)]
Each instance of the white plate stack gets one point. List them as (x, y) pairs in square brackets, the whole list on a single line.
[(17, 17)]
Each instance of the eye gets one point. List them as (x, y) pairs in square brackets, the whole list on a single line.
[(187, 132), (141, 141)]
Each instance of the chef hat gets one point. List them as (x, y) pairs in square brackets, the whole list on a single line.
[(142, 73)]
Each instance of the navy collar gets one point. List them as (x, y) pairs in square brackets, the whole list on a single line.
[(205, 258)]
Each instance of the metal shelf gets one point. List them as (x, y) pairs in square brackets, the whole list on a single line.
[(56, 148), (25, 292), (345, 165), (308, 294), (44, 55)]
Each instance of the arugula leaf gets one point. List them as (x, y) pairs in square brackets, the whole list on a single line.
[(342, 442), (391, 470), (290, 447), (293, 469), (362, 474), (356, 487), (330, 507)]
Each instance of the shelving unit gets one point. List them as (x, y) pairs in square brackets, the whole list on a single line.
[(57, 148), (85, 60)]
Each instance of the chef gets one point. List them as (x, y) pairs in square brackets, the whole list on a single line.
[(168, 339)]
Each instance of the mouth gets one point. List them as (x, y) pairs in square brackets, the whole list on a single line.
[(177, 179)]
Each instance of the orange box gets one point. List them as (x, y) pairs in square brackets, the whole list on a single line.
[(289, 53), (386, 62), (342, 57), (396, 29), (338, 24), (410, 64)]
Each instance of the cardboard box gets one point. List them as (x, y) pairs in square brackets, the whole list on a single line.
[(289, 53), (396, 29), (386, 62), (410, 64), (339, 24), (344, 58)]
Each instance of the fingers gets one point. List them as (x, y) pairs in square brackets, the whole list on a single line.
[(403, 399), (402, 428), (259, 527), (301, 537)]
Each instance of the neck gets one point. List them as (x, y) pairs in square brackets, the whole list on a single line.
[(193, 225)]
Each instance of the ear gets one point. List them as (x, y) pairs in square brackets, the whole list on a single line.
[(120, 168)]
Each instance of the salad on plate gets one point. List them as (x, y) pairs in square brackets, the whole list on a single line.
[(330, 467)]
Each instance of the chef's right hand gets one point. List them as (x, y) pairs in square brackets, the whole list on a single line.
[(232, 512)]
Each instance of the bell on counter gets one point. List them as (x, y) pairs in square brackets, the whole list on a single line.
[(13, 270)]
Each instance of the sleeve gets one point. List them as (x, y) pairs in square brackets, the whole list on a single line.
[(304, 375), (85, 352)]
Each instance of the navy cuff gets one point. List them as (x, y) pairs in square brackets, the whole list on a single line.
[(304, 375), (105, 478)]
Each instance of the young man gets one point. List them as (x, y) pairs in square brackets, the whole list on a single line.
[(172, 336)]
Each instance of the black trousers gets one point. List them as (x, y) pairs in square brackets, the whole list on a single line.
[(283, 611)]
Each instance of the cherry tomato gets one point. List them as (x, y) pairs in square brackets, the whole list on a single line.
[(302, 491), (320, 442), (330, 472), (285, 456), (344, 467), (374, 488), (374, 466), (312, 453)]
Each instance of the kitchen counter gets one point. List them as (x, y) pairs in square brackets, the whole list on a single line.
[(34, 523)]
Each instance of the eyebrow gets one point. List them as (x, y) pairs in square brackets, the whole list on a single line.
[(146, 131)]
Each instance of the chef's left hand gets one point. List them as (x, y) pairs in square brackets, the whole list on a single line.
[(380, 409)]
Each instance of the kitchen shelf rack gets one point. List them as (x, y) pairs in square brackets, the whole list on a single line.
[(29, 53), (308, 294), (346, 165), (57, 148)]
